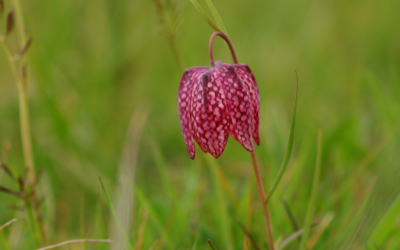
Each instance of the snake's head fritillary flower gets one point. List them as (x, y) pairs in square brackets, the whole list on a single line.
[(217, 101)]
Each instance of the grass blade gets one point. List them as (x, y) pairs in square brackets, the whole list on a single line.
[(194, 247), (101, 222), (114, 214), (3, 241), (314, 238), (162, 168), (142, 228), (290, 214), (246, 209), (293, 236), (288, 148), (247, 233), (311, 203), (289, 239), (385, 225), (124, 201), (354, 222), (220, 206), (216, 16), (205, 16), (154, 216), (82, 220)]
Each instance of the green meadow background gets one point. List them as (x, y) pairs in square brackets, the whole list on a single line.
[(103, 81)]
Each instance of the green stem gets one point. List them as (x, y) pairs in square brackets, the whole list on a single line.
[(288, 148), (19, 72), (25, 133), (220, 205), (32, 222), (20, 22), (11, 61), (23, 97), (114, 214), (314, 189)]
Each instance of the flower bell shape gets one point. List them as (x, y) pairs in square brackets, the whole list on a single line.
[(216, 101)]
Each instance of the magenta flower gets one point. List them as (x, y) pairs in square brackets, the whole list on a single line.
[(216, 101)]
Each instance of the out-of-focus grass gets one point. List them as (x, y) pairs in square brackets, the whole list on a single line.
[(92, 63)]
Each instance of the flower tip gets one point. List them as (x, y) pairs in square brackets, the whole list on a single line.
[(216, 156), (191, 155)]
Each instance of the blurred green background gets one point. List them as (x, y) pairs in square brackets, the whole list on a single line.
[(103, 84)]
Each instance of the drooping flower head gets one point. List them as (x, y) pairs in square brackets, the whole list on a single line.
[(216, 101)]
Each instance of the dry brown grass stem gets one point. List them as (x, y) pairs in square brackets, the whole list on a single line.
[(8, 223), (74, 241)]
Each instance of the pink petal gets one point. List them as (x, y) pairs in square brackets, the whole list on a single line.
[(210, 113), (248, 79), (189, 77), (240, 107)]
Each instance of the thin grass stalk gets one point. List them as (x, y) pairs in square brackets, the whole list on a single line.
[(7, 224), (248, 235), (25, 131), (19, 72), (220, 206), (115, 217), (102, 222), (23, 98), (245, 209), (124, 201), (288, 148), (155, 218), (194, 247), (313, 196), (384, 226), (316, 236), (20, 22), (142, 230), (171, 31), (265, 204), (75, 241), (33, 212), (30, 213), (82, 221), (3, 241)]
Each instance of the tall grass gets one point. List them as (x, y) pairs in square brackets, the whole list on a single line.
[(17, 61), (93, 63)]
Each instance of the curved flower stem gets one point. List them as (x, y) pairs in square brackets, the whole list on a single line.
[(253, 154), (226, 38), (263, 197)]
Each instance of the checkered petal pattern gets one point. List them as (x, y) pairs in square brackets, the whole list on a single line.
[(216, 101)]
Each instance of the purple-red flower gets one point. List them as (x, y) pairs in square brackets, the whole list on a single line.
[(217, 101)]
